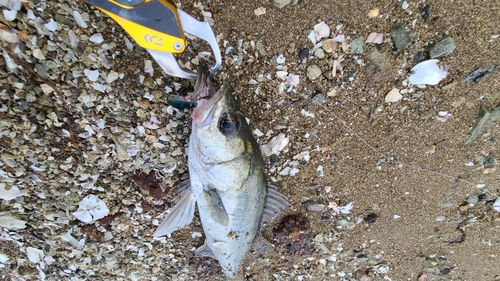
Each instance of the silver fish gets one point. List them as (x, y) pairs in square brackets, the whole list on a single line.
[(227, 180)]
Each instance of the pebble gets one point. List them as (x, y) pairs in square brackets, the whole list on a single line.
[(443, 48), (318, 99), (42, 71), (313, 72), (356, 46), (304, 53), (400, 38), (426, 12), (473, 199), (314, 206), (260, 49), (319, 53), (490, 161)]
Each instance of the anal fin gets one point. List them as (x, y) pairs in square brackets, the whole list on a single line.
[(205, 251), (181, 215)]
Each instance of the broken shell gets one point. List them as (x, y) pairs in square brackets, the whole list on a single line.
[(373, 13), (321, 30), (375, 38), (427, 73), (393, 96), (260, 11), (79, 20), (329, 45)]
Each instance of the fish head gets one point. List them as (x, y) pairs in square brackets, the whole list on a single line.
[(219, 132)]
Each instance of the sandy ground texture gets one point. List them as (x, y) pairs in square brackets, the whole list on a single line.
[(379, 190)]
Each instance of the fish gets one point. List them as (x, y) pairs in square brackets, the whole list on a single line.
[(227, 180)]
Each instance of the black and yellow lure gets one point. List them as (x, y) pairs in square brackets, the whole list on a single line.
[(153, 24)]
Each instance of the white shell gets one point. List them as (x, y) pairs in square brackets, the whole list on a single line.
[(496, 205), (79, 20), (91, 208), (427, 73), (92, 75), (321, 30), (96, 38), (34, 255), (10, 193)]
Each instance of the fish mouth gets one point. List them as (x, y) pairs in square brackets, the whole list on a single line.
[(205, 97)]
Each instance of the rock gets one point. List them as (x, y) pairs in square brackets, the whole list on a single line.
[(319, 53), (303, 53), (400, 38), (426, 12), (313, 72), (473, 199), (356, 46), (443, 48), (314, 206), (281, 3), (318, 99), (260, 49), (490, 161), (42, 71)]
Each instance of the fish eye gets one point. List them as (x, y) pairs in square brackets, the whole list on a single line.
[(229, 123)]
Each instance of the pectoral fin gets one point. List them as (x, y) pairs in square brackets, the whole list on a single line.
[(215, 207), (275, 203), (180, 216)]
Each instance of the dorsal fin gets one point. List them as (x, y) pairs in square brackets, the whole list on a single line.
[(275, 203)]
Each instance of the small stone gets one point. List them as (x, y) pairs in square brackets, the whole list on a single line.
[(318, 99), (426, 12), (400, 38), (490, 161), (356, 46), (313, 72), (473, 199), (281, 3), (42, 71), (304, 53), (445, 271), (319, 53), (260, 49), (443, 48), (314, 206)]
